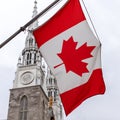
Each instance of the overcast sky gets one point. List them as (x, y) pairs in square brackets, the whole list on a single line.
[(105, 16)]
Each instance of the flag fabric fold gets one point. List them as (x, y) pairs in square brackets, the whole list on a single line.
[(73, 54)]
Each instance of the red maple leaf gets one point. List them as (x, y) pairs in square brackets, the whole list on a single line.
[(72, 57)]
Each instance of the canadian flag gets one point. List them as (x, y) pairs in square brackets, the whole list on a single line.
[(73, 54)]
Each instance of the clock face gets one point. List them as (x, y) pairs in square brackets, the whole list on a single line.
[(27, 78)]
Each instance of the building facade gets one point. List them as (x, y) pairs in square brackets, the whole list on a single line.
[(34, 95)]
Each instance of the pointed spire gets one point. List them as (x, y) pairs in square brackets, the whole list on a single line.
[(35, 9), (30, 41), (31, 55), (35, 12)]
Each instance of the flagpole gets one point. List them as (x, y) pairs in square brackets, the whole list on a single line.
[(29, 23), (90, 20)]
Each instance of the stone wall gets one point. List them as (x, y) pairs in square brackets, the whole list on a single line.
[(37, 103)]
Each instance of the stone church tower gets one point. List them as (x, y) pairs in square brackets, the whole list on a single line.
[(35, 94)]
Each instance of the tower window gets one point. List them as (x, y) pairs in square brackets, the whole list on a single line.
[(55, 94), (34, 58), (43, 110), (49, 93), (30, 42), (50, 81), (27, 58), (54, 81), (30, 58), (23, 108)]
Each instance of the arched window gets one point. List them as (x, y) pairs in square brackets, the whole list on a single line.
[(49, 93), (28, 58), (50, 81), (35, 58), (30, 42), (52, 118), (43, 114), (55, 94), (54, 81), (23, 108)]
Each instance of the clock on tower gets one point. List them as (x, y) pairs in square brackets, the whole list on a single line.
[(27, 78)]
